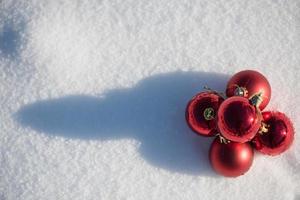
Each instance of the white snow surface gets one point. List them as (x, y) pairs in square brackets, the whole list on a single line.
[(93, 95)]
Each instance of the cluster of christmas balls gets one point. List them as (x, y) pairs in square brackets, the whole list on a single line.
[(238, 123)]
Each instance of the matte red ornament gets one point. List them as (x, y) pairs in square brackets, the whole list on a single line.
[(232, 159), (276, 134), (201, 113), (248, 83), (238, 120)]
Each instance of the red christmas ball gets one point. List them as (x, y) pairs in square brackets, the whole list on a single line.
[(201, 113), (238, 120), (248, 83), (232, 159), (275, 135)]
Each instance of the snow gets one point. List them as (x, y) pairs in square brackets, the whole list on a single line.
[(93, 94)]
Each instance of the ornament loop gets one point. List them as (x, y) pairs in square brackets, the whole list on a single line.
[(264, 128), (222, 139), (240, 91), (256, 99), (209, 113)]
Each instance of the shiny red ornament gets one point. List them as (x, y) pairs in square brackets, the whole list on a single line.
[(275, 135), (201, 113), (238, 120), (232, 159), (248, 83)]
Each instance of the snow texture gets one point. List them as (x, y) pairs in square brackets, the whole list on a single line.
[(93, 94)]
